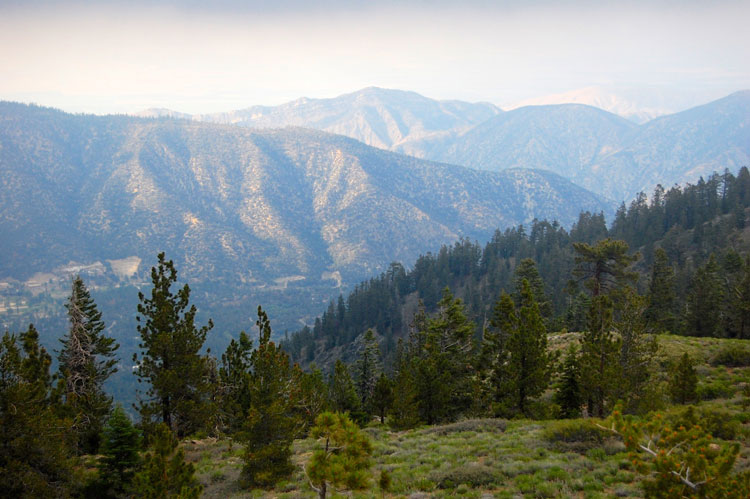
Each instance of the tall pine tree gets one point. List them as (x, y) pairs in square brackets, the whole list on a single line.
[(170, 361), (705, 302), (270, 426), (661, 293), (35, 447), (86, 361), (367, 369)]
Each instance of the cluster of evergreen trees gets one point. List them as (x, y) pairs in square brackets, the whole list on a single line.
[(678, 230), (252, 395)]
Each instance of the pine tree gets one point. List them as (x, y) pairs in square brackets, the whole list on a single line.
[(86, 361), (343, 459), (568, 394), (604, 266), (705, 302), (165, 472), (404, 411), (638, 349), (367, 369), (661, 293), (120, 446), (234, 383), (170, 360), (600, 369), (342, 392), (527, 270), (270, 427), (312, 395), (35, 447), (441, 360), (683, 381), (382, 397), (526, 367)]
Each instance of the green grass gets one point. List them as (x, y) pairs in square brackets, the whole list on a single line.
[(518, 458)]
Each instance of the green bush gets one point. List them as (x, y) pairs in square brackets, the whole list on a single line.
[(715, 389), (576, 434), (473, 475), (732, 356), (719, 423), (486, 424)]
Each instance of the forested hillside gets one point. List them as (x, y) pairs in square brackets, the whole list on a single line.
[(700, 229), (537, 327)]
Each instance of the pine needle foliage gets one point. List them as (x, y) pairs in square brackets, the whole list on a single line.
[(165, 473), (171, 362), (35, 447), (86, 361), (343, 456), (120, 451), (270, 426), (683, 382)]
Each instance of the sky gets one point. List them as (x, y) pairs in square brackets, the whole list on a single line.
[(209, 56)]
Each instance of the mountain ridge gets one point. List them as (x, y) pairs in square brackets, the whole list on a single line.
[(293, 201), (594, 148)]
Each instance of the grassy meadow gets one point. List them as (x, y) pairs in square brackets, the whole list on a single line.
[(516, 458)]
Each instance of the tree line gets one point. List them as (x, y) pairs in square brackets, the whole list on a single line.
[(677, 230)]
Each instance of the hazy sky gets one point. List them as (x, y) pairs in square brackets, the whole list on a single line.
[(202, 56)]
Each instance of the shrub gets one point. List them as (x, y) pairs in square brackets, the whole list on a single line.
[(487, 424), (732, 356), (473, 475), (576, 435), (720, 424), (714, 389)]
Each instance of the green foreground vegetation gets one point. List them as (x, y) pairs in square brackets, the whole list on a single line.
[(510, 458)]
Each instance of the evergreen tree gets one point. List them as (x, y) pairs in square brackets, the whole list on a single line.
[(36, 364), (604, 269), (441, 353), (661, 293), (600, 369), (528, 367), (382, 397), (494, 356), (165, 472), (343, 459), (86, 361), (312, 395), (568, 394), (526, 270), (120, 446), (367, 369), (35, 447), (705, 302), (404, 411), (604, 266), (170, 360), (638, 349), (234, 383), (342, 392), (683, 381), (270, 426)]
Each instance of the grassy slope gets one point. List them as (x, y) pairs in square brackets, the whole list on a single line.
[(489, 458)]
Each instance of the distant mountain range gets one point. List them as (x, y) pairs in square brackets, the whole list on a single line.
[(258, 207), (603, 152), (388, 119), (635, 104)]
